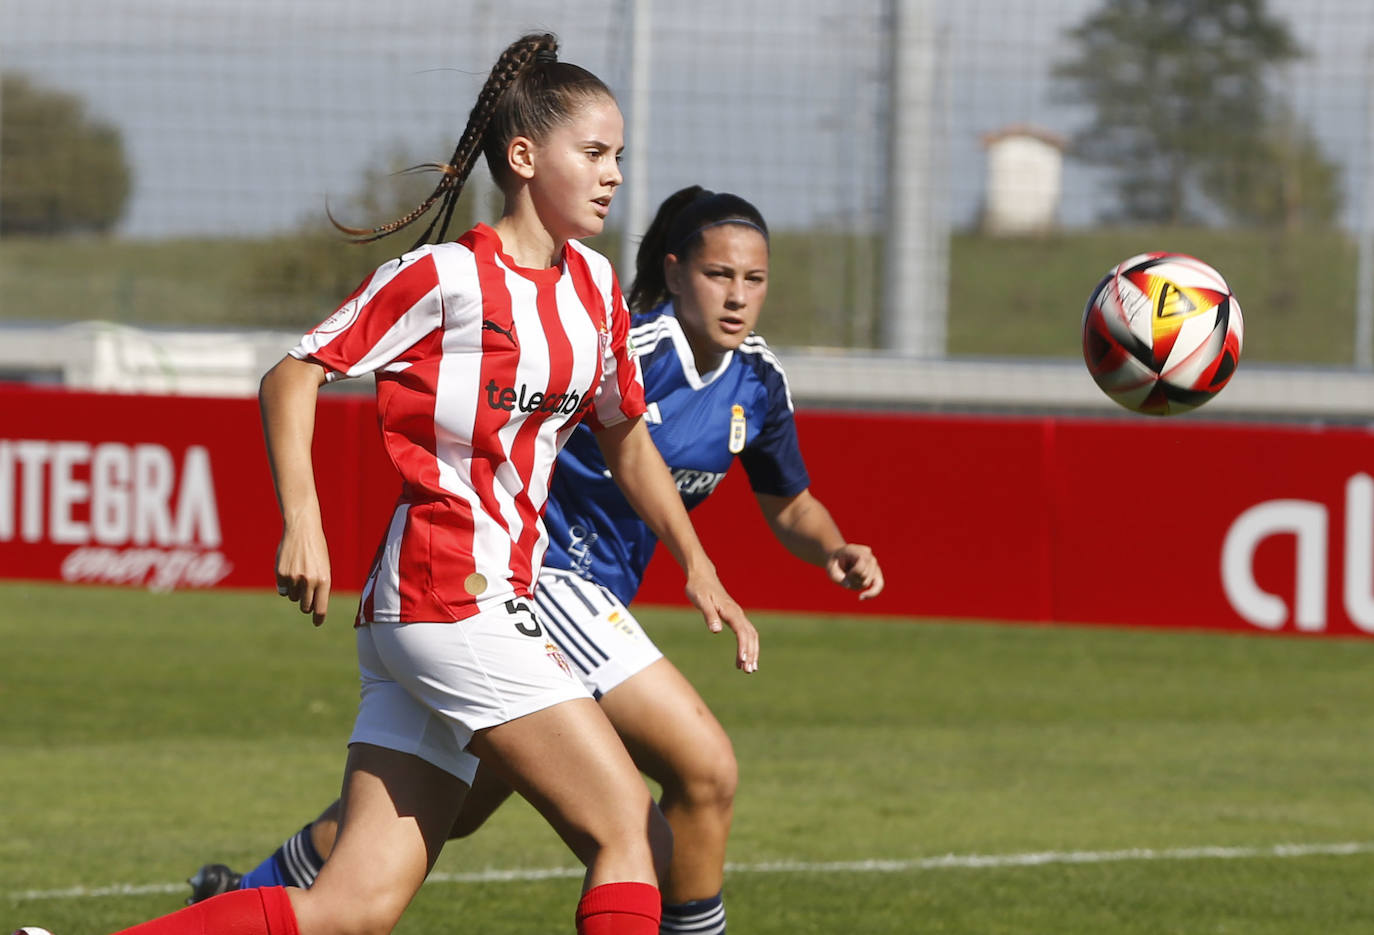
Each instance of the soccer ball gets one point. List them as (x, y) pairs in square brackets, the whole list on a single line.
[(1162, 333)]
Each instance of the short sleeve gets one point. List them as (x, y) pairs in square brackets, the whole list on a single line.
[(773, 459), (390, 312), (620, 395)]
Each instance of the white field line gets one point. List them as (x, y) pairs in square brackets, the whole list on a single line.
[(945, 862)]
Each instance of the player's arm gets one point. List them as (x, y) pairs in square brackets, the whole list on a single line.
[(286, 397), (804, 526), (642, 476)]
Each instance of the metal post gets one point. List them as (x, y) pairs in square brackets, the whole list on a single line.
[(914, 299), (635, 217), (1364, 282), (2, 125)]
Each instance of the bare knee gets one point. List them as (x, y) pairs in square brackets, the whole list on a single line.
[(706, 784)]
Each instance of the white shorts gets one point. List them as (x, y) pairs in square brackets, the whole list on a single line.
[(598, 635), (427, 687)]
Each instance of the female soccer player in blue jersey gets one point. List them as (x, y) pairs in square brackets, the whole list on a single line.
[(715, 392)]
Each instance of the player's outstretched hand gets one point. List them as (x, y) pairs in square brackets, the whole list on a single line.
[(855, 567), (720, 610), (303, 571)]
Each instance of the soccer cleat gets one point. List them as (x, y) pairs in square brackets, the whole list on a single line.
[(212, 880)]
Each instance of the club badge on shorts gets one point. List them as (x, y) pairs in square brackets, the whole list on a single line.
[(617, 620), (737, 429), (556, 655)]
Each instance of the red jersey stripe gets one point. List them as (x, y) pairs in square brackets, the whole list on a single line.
[(501, 353), (483, 368)]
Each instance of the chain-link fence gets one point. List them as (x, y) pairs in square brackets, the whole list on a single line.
[(944, 178)]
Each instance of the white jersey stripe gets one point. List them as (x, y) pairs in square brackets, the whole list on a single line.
[(755, 345), (534, 347), (483, 370), (383, 589), (461, 378), (423, 316)]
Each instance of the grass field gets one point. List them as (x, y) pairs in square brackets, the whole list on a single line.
[(1019, 296), (897, 776)]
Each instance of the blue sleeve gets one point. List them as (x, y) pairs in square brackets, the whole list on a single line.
[(773, 458)]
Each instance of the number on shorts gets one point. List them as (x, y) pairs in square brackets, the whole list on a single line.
[(517, 608)]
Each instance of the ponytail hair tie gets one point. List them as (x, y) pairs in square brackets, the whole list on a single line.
[(545, 57)]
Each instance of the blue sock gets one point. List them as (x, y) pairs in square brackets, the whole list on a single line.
[(296, 863), (699, 917)]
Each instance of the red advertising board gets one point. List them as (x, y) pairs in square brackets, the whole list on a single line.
[(1157, 522), (130, 490), (951, 507), (171, 491), (1197, 525)]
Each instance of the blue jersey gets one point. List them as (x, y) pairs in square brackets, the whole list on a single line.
[(700, 425)]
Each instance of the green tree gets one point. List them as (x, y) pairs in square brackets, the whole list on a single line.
[(1286, 182), (60, 171), (1182, 107), (310, 270)]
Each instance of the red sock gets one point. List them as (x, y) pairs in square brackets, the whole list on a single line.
[(619, 909), (263, 911)]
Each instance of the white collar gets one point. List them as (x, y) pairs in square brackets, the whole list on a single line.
[(695, 379)]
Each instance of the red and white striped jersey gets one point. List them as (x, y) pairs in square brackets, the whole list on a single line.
[(483, 370)]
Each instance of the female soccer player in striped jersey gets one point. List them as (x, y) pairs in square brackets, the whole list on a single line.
[(488, 351), (715, 393)]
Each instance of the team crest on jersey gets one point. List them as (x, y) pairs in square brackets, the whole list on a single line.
[(556, 655), (737, 429), (603, 338)]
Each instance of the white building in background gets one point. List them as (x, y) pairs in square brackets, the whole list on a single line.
[(1024, 180)]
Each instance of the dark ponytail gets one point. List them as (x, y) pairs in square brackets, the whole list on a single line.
[(677, 229), (528, 93)]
